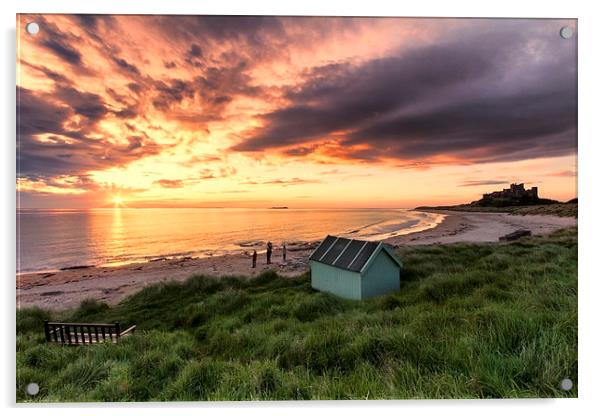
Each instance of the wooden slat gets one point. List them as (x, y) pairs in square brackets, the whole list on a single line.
[(103, 333), (83, 334), (84, 323), (54, 333), (96, 332), (68, 333)]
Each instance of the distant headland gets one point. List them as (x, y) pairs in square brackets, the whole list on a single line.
[(516, 200)]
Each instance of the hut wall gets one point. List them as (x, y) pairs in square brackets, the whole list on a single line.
[(343, 283)]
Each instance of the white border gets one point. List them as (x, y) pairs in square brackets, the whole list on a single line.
[(590, 68)]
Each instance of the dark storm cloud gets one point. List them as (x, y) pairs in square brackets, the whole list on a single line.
[(513, 127), (248, 29), (194, 56), (59, 43), (343, 96), (50, 74), (68, 148), (172, 92), (88, 21), (85, 104), (91, 22), (38, 115), (126, 66), (226, 40), (213, 90), (504, 93), (134, 87), (126, 113), (63, 50)]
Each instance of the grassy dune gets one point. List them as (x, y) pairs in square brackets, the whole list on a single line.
[(560, 210), (470, 321)]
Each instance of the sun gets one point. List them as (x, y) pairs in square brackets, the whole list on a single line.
[(117, 201)]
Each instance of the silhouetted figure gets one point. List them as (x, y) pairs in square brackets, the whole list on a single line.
[(254, 258), (269, 252), (283, 252)]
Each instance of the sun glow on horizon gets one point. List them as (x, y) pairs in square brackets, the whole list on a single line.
[(118, 201)]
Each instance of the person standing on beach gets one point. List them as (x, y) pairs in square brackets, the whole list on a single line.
[(269, 252), (254, 258), (284, 252)]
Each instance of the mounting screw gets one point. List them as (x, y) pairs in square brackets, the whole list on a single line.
[(566, 384), (32, 28), (32, 389)]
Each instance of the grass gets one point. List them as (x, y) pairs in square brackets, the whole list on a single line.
[(470, 321), (559, 210)]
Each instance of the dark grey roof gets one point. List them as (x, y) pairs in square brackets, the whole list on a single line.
[(345, 253)]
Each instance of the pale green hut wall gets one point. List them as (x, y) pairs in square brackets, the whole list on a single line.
[(344, 283), (381, 277)]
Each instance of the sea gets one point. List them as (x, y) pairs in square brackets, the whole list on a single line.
[(53, 239)]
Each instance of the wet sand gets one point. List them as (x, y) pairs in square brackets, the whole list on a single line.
[(67, 288)]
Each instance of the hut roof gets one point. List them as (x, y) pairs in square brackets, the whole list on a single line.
[(348, 254)]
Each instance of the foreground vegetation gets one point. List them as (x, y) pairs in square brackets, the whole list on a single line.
[(470, 321), (560, 209)]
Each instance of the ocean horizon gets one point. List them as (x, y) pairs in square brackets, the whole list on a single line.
[(52, 239)]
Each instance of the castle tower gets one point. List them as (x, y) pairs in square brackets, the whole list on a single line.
[(534, 191)]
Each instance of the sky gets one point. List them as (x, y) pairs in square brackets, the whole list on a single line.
[(307, 112)]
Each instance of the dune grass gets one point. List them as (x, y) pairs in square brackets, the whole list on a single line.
[(470, 321), (558, 210)]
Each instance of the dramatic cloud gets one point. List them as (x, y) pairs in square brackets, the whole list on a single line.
[(50, 144), (480, 97), (167, 183), (282, 182), (179, 108), (483, 183), (563, 174)]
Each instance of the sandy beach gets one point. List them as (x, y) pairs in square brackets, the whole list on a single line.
[(482, 227), (67, 288)]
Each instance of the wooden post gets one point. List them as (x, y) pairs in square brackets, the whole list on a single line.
[(47, 331), (117, 331)]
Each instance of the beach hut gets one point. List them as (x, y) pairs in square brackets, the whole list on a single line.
[(354, 269)]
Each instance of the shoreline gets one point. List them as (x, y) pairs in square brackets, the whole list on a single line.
[(244, 247), (481, 227), (65, 289)]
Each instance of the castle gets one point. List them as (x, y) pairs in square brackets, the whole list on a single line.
[(515, 195)]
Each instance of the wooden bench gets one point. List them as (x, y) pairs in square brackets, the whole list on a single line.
[(84, 334)]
